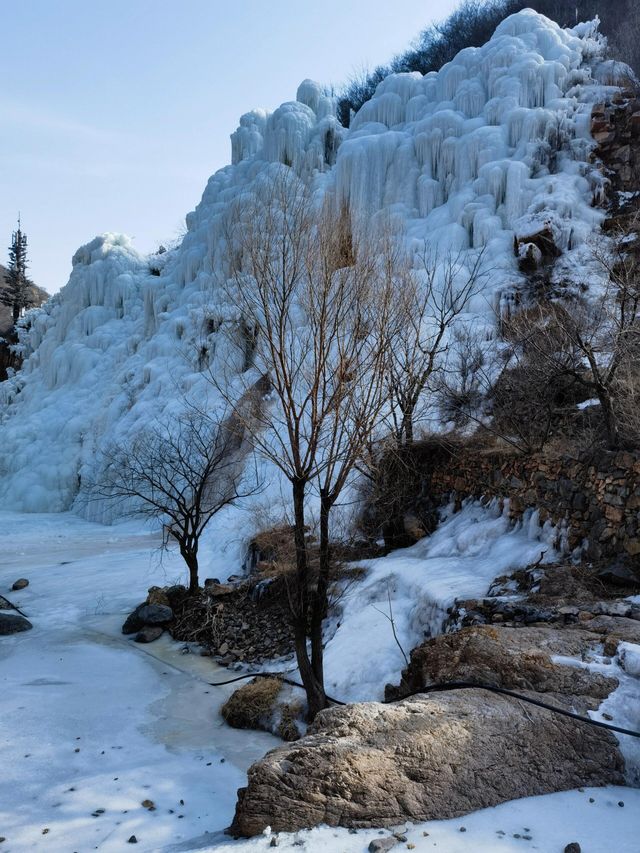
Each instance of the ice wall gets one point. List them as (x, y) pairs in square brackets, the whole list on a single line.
[(496, 144)]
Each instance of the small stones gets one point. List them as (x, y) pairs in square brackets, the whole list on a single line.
[(149, 633), (574, 847), (21, 583), (132, 840), (150, 806), (381, 845), (621, 804)]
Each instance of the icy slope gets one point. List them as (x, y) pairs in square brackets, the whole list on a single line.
[(494, 145), (466, 552)]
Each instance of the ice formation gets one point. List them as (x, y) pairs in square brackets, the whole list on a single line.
[(495, 144)]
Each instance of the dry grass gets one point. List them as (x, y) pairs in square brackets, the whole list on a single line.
[(252, 705)]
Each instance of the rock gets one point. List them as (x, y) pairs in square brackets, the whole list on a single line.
[(574, 847), (421, 759), (619, 575), (157, 595), (618, 627), (381, 845), (149, 633), (13, 623), (133, 623), (5, 604), (155, 614), (21, 583), (176, 595), (217, 590), (515, 658), (132, 840)]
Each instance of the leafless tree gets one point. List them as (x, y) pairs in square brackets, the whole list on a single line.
[(555, 353), (320, 313), (432, 291), (181, 471)]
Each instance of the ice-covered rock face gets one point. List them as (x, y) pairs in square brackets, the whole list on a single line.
[(495, 145)]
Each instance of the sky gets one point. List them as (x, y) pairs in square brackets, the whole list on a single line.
[(114, 114)]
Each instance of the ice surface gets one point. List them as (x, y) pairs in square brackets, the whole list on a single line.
[(147, 725), (91, 720)]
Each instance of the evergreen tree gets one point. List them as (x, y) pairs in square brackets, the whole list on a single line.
[(17, 294)]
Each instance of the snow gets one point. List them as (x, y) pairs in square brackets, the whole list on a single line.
[(494, 145), (143, 719), (146, 722), (545, 824), (622, 706), (466, 553)]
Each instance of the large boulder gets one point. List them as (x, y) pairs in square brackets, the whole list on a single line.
[(13, 623), (424, 758), (147, 614)]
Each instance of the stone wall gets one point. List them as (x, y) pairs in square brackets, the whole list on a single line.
[(596, 497)]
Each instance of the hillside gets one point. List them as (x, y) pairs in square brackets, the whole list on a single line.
[(7, 358), (39, 296), (466, 160)]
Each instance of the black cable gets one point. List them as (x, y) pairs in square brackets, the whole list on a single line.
[(441, 688)]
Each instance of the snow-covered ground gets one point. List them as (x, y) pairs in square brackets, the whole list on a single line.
[(89, 720), (92, 724)]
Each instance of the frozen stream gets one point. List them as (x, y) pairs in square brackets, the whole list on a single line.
[(91, 720), (92, 724)]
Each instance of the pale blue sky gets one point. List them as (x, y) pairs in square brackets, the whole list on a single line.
[(114, 114)]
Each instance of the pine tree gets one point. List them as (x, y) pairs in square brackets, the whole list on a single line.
[(17, 294)]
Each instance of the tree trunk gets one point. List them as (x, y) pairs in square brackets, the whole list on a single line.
[(320, 599), (609, 418), (316, 699), (407, 423), (191, 559)]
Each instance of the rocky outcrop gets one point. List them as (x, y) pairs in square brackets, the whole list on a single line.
[(424, 758), (514, 658)]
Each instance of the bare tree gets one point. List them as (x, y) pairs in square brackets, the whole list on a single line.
[(320, 314), (182, 472), (432, 291), (555, 353)]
